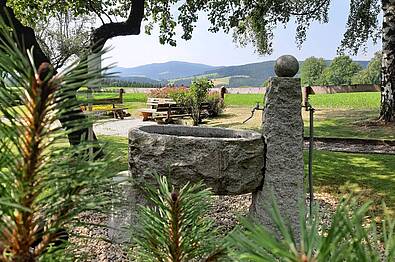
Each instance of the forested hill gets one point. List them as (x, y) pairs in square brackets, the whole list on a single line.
[(164, 71), (175, 72)]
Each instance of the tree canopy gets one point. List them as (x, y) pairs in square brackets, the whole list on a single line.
[(341, 71), (315, 71), (250, 21), (311, 71), (372, 74), (64, 37)]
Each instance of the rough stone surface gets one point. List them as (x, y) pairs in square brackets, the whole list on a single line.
[(228, 161), (283, 134), (286, 66), (123, 213)]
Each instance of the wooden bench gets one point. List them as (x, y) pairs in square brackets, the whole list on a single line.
[(117, 112), (165, 109), (168, 111), (152, 105)]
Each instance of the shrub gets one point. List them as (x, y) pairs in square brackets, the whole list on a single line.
[(216, 104), (193, 98), (198, 94), (168, 92)]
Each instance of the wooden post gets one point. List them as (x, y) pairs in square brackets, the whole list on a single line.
[(94, 65)]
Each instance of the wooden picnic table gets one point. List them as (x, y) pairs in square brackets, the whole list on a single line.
[(163, 109)]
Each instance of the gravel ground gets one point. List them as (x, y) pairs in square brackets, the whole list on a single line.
[(225, 211), (118, 127)]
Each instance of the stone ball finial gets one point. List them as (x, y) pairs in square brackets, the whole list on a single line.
[(286, 66)]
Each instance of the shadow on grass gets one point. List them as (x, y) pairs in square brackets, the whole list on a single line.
[(350, 124), (225, 116), (117, 148), (371, 176)]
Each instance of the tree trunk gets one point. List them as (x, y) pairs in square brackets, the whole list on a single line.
[(388, 63), (27, 39), (99, 37)]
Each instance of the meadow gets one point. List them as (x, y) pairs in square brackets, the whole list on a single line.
[(346, 115), (368, 100), (363, 100)]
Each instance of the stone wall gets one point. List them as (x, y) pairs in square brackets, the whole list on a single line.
[(344, 89)]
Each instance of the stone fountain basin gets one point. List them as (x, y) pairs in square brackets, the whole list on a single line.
[(228, 161)]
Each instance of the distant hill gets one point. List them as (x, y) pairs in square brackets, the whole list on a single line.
[(182, 73), (254, 74), (139, 79), (164, 71), (246, 75)]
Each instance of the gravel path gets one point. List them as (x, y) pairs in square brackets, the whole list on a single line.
[(225, 211), (117, 127)]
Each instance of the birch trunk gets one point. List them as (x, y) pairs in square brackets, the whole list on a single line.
[(388, 62)]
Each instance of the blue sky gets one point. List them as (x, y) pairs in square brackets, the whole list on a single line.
[(219, 49)]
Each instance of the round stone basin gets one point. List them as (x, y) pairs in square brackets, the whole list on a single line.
[(228, 161)]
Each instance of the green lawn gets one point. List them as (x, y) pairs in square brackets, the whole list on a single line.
[(371, 176), (349, 123), (364, 100), (368, 100), (117, 147), (345, 101), (245, 100), (127, 97), (348, 115)]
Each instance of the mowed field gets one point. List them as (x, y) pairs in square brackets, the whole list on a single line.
[(347, 115)]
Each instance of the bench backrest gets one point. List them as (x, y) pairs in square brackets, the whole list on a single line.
[(171, 109), (155, 100), (109, 101)]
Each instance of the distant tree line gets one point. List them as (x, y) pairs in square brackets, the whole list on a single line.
[(125, 83), (341, 71)]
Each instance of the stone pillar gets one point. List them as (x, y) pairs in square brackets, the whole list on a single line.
[(283, 135)]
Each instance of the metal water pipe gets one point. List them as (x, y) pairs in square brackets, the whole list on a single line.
[(308, 107)]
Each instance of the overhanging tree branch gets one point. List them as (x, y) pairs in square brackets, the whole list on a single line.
[(25, 35), (311, 11), (132, 26)]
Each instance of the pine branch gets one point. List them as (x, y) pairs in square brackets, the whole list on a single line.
[(43, 187), (175, 228)]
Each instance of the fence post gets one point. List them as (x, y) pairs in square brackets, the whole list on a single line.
[(94, 65)]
